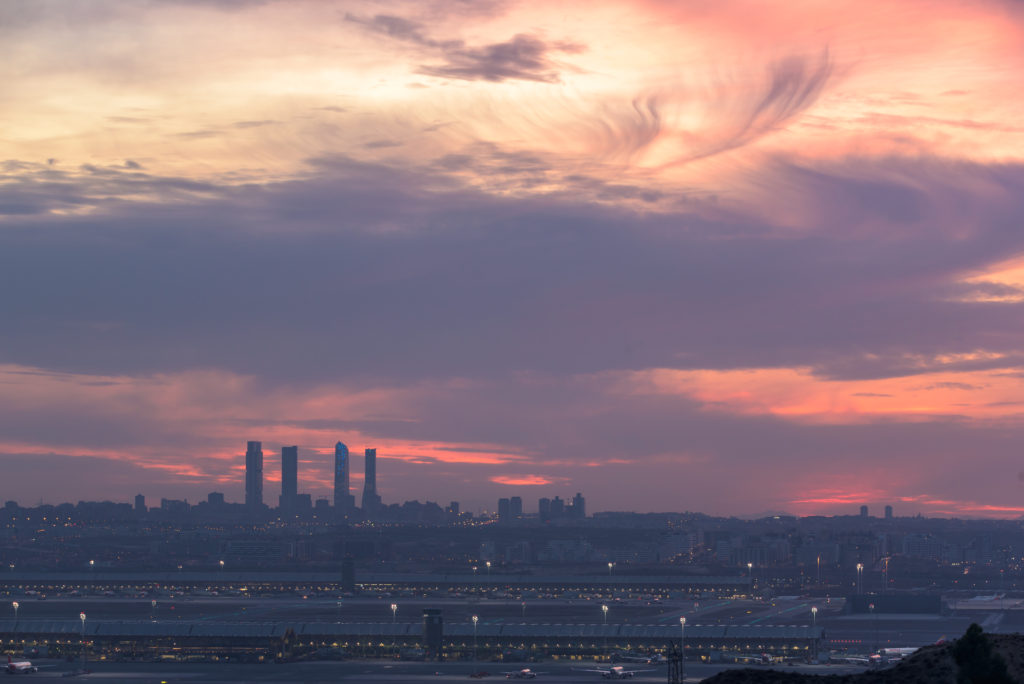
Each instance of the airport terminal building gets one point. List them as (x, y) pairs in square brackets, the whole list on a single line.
[(255, 641)]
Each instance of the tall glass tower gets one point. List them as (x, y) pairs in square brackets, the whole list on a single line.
[(342, 499), (254, 475), (289, 477), (370, 499)]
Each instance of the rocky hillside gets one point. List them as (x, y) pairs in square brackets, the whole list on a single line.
[(975, 658)]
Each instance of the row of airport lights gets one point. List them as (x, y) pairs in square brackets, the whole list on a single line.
[(488, 564), (81, 616), (475, 619)]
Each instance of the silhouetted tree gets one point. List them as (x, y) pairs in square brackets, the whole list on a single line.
[(976, 663)]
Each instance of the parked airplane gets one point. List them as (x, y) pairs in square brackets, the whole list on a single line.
[(755, 658), (20, 666), (525, 673), (655, 659), (615, 672)]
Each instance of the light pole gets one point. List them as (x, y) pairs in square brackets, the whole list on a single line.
[(488, 564), (610, 566), (604, 611), (814, 634), (819, 569), (15, 605), (152, 610), (474, 570), (394, 615), (860, 575), (339, 611), (524, 610), (682, 649), (750, 574), (476, 619), (81, 616), (874, 620)]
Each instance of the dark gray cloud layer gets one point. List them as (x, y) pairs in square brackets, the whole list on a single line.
[(370, 276), (523, 57), (356, 272)]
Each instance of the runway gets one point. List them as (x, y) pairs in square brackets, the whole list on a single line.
[(364, 671)]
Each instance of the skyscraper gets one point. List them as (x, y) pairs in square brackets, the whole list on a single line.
[(863, 511), (343, 500), (888, 512), (254, 475), (370, 499), (289, 477), (579, 506), (140, 503)]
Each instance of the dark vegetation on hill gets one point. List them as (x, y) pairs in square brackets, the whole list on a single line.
[(974, 658)]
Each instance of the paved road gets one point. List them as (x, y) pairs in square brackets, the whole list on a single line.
[(379, 673)]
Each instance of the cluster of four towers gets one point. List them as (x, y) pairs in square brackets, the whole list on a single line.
[(291, 500)]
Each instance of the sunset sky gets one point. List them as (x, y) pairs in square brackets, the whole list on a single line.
[(731, 257)]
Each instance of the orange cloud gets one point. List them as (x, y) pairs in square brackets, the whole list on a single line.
[(797, 394), (825, 502), (522, 480)]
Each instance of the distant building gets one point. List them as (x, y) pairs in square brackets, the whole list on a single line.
[(174, 506), (504, 509), (888, 512), (453, 509), (863, 511), (579, 506), (515, 507), (254, 475), (289, 477), (343, 500), (544, 508), (215, 499), (557, 507), (140, 503), (322, 507), (371, 500)]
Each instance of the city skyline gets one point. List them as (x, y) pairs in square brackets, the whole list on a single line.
[(730, 257), (254, 485)]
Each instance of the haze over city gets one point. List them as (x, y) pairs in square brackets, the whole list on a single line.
[(728, 257)]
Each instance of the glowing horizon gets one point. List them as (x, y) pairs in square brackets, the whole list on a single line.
[(629, 250)]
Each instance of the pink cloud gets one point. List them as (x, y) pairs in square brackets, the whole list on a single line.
[(521, 480)]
